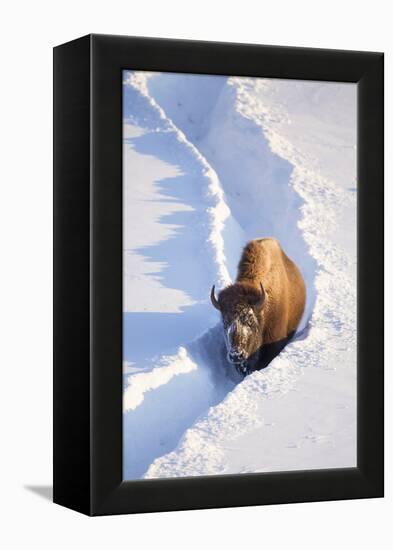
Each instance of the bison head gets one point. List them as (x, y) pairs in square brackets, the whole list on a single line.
[(241, 307)]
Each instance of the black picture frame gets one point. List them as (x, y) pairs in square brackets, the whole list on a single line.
[(88, 274)]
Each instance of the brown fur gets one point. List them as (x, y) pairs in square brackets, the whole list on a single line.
[(264, 261)]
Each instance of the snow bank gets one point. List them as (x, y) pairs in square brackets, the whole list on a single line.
[(174, 213), (162, 374), (255, 180)]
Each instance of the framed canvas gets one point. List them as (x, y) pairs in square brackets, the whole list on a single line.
[(218, 275)]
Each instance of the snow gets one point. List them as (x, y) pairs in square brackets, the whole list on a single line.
[(209, 163)]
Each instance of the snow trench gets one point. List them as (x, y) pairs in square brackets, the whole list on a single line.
[(227, 175)]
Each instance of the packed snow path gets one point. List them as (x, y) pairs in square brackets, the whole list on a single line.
[(210, 163)]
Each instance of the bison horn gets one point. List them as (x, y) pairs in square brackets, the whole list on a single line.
[(259, 303), (214, 299)]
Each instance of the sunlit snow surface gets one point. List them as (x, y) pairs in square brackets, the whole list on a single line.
[(209, 163)]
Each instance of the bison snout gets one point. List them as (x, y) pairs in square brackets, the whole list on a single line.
[(236, 356)]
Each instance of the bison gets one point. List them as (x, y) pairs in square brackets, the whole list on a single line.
[(263, 308)]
